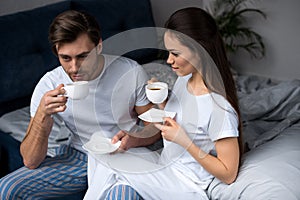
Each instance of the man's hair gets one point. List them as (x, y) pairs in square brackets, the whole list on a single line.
[(67, 26)]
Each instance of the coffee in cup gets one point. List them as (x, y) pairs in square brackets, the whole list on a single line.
[(157, 92), (77, 90)]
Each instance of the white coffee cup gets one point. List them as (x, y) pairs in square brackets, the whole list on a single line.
[(77, 90), (157, 92)]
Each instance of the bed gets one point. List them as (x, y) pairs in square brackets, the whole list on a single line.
[(270, 169), (270, 111), (271, 123)]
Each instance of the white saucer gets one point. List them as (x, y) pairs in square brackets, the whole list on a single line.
[(100, 145), (156, 115)]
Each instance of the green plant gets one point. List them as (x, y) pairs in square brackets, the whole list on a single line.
[(231, 16)]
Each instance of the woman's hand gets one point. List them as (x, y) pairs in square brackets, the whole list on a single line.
[(171, 131)]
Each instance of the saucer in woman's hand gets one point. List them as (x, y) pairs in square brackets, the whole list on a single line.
[(156, 115)]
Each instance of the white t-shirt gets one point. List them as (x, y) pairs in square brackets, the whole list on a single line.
[(206, 118), (110, 104)]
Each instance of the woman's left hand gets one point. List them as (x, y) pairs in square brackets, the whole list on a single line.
[(172, 131)]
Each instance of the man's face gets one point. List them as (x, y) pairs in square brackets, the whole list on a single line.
[(79, 58)]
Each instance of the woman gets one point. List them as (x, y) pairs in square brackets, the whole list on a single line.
[(204, 139)]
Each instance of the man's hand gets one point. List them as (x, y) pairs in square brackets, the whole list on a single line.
[(35, 143), (127, 141), (152, 80), (53, 101)]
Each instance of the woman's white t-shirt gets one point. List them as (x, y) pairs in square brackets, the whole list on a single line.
[(206, 118)]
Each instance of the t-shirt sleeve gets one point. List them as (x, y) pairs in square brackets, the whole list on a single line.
[(41, 88), (142, 78), (223, 122)]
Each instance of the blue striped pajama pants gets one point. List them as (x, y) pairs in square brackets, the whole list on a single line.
[(123, 192), (56, 177)]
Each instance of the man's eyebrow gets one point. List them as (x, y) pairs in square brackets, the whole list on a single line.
[(83, 53)]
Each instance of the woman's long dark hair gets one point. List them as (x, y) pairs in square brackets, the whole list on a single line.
[(200, 26)]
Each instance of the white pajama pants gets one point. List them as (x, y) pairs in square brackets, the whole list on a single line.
[(150, 180)]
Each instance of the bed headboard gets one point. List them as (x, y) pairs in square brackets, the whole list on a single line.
[(25, 51)]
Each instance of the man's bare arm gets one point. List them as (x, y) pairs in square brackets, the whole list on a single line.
[(35, 144)]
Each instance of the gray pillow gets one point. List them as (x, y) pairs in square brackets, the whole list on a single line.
[(16, 122), (161, 71)]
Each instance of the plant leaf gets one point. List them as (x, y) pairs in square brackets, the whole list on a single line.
[(230, 18)]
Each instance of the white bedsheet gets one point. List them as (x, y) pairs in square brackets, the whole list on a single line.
[(270, 171)]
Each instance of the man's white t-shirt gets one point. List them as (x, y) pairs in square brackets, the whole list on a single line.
[(110, 104)]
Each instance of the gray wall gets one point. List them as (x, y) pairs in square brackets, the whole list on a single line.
[(162, 9), (280, 32)]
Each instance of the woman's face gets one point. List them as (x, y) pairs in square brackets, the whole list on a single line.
[(181, 58)]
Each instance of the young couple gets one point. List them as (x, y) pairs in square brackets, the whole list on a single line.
[(203, 141)]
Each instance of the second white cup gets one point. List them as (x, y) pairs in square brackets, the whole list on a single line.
[(77, 90), (157, 92)]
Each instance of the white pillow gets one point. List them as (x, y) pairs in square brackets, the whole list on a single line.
[(16, 122)]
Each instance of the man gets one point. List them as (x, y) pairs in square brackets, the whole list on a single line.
[(116, 97)]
